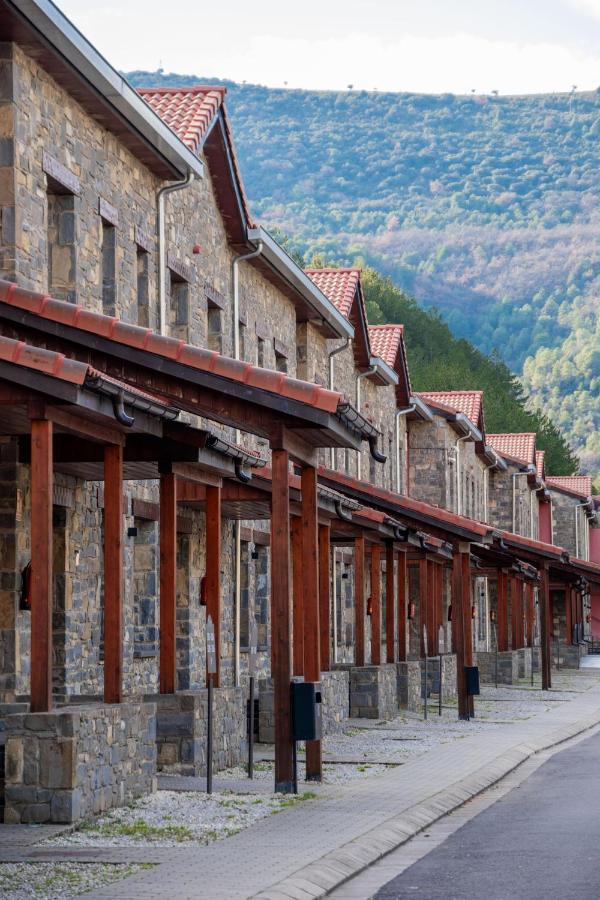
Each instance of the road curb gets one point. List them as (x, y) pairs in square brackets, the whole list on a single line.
[(321, 877)]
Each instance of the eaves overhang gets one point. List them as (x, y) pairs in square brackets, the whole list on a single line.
[(323, 311), (90, 78)]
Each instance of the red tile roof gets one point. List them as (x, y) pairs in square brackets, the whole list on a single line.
[(575, 484), (189, 112), (539, 463), (70, 314), (470, 403), (385, 341), (45, 361), (338, 285), (519, 446)]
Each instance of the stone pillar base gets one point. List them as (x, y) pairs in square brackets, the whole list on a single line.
[(373, 692), (524, 662), (508, 666), (536, 659), (181, 721), (408, 683), (570, 654), (74, 762), (335, 688)]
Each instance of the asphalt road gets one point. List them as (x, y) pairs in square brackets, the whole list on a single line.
[(542, 840)]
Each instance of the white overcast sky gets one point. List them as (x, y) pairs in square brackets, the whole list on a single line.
[(513, 46)]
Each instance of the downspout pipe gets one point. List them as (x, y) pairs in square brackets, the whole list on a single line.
[(162, 248), (359, 377), (237, 528), (333, 353), (399, 414)]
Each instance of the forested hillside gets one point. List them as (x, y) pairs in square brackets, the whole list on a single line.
[(487, 208)]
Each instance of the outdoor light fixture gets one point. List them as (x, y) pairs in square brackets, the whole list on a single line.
[(370, 606), (492, 615), (411, 611)]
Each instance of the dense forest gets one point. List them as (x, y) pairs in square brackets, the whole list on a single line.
[(484, 207)]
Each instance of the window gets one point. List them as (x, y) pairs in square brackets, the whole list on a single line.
[(260, 352), (142, 262), (145, 563), (261, 594), (242, 334), (245, 595), (215, 329), (62, 246), (108, 268), (179, 306), (281, 362)]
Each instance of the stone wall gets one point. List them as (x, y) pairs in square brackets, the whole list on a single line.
[(72, 763), (181, 724), (373, 692), (336, 700), (508, 666), (524, 655), (408, 684), (500, 502), (564, 510)]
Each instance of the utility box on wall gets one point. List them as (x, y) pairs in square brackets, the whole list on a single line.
[(307, 716), (472, 677)]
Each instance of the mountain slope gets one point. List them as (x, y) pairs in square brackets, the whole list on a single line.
[(487, 208)]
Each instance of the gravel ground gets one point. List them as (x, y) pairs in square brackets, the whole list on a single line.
[(333, 772), (170, 818), (58, 881)]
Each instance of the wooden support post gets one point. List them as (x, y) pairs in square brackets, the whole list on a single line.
[(324, 598), (530, 605), (312, 631), (41, 565), (375, 605), (390, 618), (402, 606), (514, 612), (423, 601), (168, 570), (213, 570), (281, 659), (113, 573), (430, 613), (545, 619), (502, 610), (359, 601), (297, 595), (461, 627), (569, 598)]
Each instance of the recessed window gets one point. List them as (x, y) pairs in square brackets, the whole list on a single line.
[(215, 329), (179, 306), (281, 362), (108, 267), (62, 245), (143, 293), (260, 352)]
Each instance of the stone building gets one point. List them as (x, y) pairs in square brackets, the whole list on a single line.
[(514, 491)]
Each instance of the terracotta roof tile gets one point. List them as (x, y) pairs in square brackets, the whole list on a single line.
[(520, 446), (338, 285), (385, 341), (575, 484), (70, 314), (188, 111), (45, 361), (539, 463), (470, 403)]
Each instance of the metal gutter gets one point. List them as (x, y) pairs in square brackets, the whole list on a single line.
[(283, 263), (108, 388), (421, 408), (383, 370), (56, 31)]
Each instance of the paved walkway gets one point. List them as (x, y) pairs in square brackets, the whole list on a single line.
[(309, 849)]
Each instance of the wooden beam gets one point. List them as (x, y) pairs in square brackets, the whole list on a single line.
[(41, 565), (281, 438), (113, 574), (402, 606), (168, 573), (213, 570), (298, 596), (281, 665), (461, 608), (196, 474), (312, 631), (73, 422), (375, 605), (324, 596), (545, 620), (502, 611), (390, 618), (359, 600)]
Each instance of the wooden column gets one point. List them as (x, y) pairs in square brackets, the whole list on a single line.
[(324, 598), (430, 617), (530, 609), (545, 620), (213, 569), (281, 659), (390, 618), (423, 601), (312, 631), (515, 611), (168, 570), (402, 606), (461, 624), (359, 600), (41, 565), (298, 596), (502, 610), (569, 597), (375, 604)]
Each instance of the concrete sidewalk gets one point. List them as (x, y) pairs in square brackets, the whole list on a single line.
[(306, 851)]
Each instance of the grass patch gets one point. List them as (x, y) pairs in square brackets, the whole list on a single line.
[(141, 829)]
